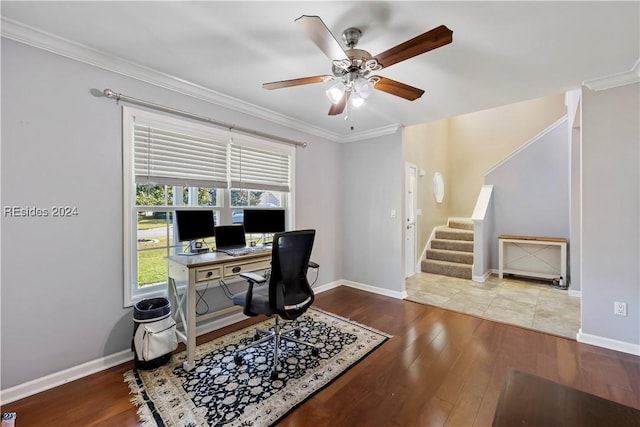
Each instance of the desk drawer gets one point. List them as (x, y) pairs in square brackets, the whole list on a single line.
[(204, 274), (233, 269)]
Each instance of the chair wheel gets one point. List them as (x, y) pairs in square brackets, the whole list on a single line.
[(274, 375), (257, 336), (315, 352), (237, 359), (297, 333)]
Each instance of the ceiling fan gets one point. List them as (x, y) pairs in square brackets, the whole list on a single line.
[(352, 68)]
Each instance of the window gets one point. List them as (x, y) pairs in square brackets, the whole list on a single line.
[(172, 164)]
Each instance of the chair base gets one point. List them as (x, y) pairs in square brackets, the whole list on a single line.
[(277, 334)]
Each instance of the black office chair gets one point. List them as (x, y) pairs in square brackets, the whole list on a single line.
[(287, 296)]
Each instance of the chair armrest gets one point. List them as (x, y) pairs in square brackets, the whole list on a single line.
[(253, 277), (313, 265)]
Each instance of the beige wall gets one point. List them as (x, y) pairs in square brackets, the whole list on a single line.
[(477, 141), (462, 148), (426, 146)]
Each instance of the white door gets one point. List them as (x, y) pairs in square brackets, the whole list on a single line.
[(411, 198)]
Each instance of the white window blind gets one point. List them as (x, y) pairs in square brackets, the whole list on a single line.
[(163, 156), (258, 169)]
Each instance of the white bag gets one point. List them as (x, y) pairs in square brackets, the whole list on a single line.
[(155, 339)]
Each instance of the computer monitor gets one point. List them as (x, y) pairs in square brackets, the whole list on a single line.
[(264, 220), (230, 236), (195, 224)]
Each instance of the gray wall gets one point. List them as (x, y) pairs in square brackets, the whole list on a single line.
[(62, 278), (373, 242), (611, 212), (531, 190)]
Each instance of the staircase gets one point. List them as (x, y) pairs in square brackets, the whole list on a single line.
[(451, 252)]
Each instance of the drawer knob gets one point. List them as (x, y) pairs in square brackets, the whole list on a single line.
[(236, 269), (209, 273)]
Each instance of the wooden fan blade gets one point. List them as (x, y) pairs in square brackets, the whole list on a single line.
[(318, 32), (338, 107), (430, 40), (398, 89), (296, 82)]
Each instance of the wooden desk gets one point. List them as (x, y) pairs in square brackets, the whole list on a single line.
[(192, 271), (528, 400)]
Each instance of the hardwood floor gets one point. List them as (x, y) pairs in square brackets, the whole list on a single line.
[(441, 368)]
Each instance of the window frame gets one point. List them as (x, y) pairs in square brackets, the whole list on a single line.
[(132, 292)]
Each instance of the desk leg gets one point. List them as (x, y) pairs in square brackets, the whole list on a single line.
[(190, 327), (563, 263), (500, 259), (183, 316)]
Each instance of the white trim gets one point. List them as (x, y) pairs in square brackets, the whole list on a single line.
[(56, 379), (375, 289), (326, 287), (67, 375), (482, 278), (526, 145), (423, 255), (615, 80), (482, 204), (574, 293), (25, 34), (221, 322), (625, 347), (47, 382), (369, 134), (238, 316)]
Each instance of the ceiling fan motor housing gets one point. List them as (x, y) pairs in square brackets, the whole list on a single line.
[(351, 36)]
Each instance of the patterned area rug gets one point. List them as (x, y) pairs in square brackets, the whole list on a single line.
[(217, 392)]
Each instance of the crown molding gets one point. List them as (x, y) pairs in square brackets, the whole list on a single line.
[(373, 133), (51, 43), (615, 80)]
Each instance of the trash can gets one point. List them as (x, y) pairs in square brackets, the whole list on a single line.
[(154, 333)]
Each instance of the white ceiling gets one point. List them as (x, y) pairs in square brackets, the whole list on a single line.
[(502, 52)]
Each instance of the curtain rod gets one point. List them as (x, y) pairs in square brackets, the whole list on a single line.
[(120, 97)]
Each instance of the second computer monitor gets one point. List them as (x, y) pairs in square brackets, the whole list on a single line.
[(264, 220)]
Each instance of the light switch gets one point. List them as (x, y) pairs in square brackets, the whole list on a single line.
[(393, 213)]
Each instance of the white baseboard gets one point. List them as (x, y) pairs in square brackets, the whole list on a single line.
[(38, 385), (609, 343), (375, 289), (47, 382), (326, 287), (482, 278), (576, 294), (221, 322)]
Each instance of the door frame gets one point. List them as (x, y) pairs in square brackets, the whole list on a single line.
[(410, 222)]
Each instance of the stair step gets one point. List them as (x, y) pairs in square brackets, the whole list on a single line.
[(453, 234), (461, 223), (451, 269), (451, 256), (452, 245)]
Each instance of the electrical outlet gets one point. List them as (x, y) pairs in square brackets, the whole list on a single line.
[(620, 308)]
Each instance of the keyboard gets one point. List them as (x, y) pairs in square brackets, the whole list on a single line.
[(236, 251), (246, 250)]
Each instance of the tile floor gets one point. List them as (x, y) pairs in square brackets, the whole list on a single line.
[(530, 303)]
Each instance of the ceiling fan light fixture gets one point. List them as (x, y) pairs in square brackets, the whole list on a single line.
[(356, 100), (363, 87), (335, 92)]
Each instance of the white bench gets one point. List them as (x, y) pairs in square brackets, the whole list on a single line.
[(530, 256)]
